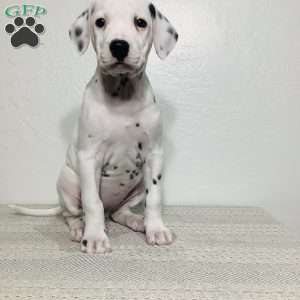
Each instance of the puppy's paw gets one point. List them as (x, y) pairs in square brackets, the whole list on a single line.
[(158, 235), (76, 229), (95, 243), (76, 234), (136, 222)]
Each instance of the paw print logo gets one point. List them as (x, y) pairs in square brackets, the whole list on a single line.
[(24, 32)]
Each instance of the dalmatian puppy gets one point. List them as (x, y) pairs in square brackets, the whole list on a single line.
[(115, 159)]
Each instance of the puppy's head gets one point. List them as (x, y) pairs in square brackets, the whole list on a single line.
[(122, 33)]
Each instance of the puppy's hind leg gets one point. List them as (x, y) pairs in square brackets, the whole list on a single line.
[(76, 226), (126, 217), (75, 222), (68, 189)]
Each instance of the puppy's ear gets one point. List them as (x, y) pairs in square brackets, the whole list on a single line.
[(165, 35), (80, 32)]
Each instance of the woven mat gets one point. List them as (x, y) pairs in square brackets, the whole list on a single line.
[(219, 253)]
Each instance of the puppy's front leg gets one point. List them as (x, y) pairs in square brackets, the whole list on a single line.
[(156, 232), (94, 239)]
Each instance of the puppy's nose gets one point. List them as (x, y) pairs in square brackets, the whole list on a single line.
[(119, 49)]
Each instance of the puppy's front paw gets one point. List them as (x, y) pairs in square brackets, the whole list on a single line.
[(95, 243), (158, 235)]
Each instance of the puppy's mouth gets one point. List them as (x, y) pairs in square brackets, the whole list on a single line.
[(119, 68), (115, 68), (120, 65)]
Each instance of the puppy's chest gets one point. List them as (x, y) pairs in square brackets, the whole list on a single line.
[(124, 151), (125, 131), (123, 139), (126, 141)]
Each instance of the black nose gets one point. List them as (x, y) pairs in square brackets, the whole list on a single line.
[(119, 49)]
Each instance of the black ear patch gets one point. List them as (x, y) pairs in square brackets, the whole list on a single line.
[(152, 10), (84, 13), (80, 45), (171, 30), (78, 31)]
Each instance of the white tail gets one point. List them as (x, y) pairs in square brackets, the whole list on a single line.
[(36, 211)]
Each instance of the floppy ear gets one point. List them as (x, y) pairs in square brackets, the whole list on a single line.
[(80, 32), (165, 35)]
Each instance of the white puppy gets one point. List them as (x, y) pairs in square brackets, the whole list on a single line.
[(115, 159)]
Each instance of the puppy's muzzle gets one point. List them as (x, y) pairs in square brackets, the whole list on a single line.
[(119, 49)]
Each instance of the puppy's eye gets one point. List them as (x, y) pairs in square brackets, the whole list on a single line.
[(100, 22), (139, 22)]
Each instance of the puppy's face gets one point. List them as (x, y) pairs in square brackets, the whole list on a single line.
[(122, 33)]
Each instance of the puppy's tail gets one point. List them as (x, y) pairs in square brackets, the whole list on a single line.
[(37, 212)]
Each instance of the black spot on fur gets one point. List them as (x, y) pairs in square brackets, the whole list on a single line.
[(159, 177), (139, 164), (80, 45), (171, 30), (78, 31), (127, 171), (84, 243), (131, 176), (137, 124), (122, 184), (176, 36), (135, 172), (115, 167), (140, 145), (152, 10), (124, 81), (154, 181), (114, 85), (147, 191), (159, 15)]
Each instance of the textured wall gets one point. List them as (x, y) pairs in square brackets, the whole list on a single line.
[(229, 94)]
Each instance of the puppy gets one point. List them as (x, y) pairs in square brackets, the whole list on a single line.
[(115, 159)]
